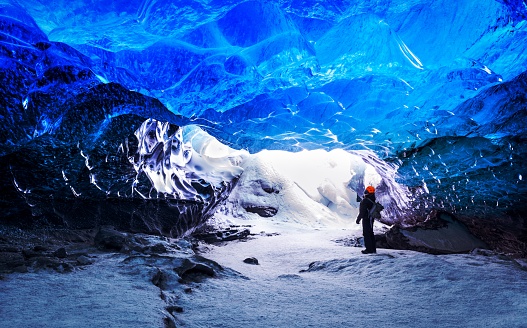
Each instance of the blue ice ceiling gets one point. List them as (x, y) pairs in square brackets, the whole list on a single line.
[(302, 75), (437, 88)]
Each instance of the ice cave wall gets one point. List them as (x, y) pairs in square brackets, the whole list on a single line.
[(435, 88)]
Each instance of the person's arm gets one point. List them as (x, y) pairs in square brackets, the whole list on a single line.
[(361, 210)]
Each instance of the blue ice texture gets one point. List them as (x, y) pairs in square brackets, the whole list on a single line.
[(435, 88)]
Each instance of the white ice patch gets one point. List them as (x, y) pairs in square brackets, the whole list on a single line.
[(315, 188)]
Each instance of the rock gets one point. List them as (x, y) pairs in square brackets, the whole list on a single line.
[(174, 308), (43, 262), (352, 241), (522, 263), (381, 242), (269, 234), (289, 277), (160, 279), (46, 262), (158, 248), (31, 253), (190, 270), (84, 260), (108, 238), (60, 253), (64, 268), (251, 260), (40, 248), (12, 262), (169, 322), (222, 235), (441, 233), (263, 211)]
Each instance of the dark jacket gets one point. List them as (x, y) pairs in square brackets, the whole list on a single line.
[(365, 206)]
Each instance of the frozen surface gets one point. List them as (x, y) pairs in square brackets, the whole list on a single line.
[(304, 279), (101, 295), (344, 287)]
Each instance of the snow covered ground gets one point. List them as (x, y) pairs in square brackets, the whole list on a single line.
[(344, 288), (304, 279), (101, 295)]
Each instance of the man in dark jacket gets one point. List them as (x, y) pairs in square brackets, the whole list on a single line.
[(367, 223)]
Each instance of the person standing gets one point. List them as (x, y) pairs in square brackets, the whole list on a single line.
[(365, 206)]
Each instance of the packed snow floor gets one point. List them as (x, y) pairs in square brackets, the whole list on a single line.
[(102, 295), (304, 279), (345, 288)]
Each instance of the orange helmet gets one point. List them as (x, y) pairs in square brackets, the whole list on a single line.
[(369, 190)]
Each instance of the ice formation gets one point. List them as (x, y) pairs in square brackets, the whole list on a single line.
[(172, 165), (430, 93)]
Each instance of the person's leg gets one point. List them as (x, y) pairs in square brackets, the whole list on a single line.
[(373, 246), (369, 238)]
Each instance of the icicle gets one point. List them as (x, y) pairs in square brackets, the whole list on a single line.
[(86, 160), (24, 191), (74, 192), (93, 181)]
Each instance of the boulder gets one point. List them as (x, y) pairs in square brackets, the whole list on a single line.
[(441, 233), (84, 260), (222, 235), (12, 262), (60, 253), (196, 269), (108, 238), (251, 260), (263, 211)]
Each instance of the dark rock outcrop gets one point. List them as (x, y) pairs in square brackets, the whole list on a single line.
[(251, 260), (223, 235), (60, 250), (263, 211), (108, 238), (195, 270), (12, 262), (440, 234)]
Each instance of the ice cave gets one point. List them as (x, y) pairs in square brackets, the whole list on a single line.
[(168, 118), (146, 114), (163, 117)]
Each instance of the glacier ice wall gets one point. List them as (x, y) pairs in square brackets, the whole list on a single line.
[(435, 88), (78, 152)]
